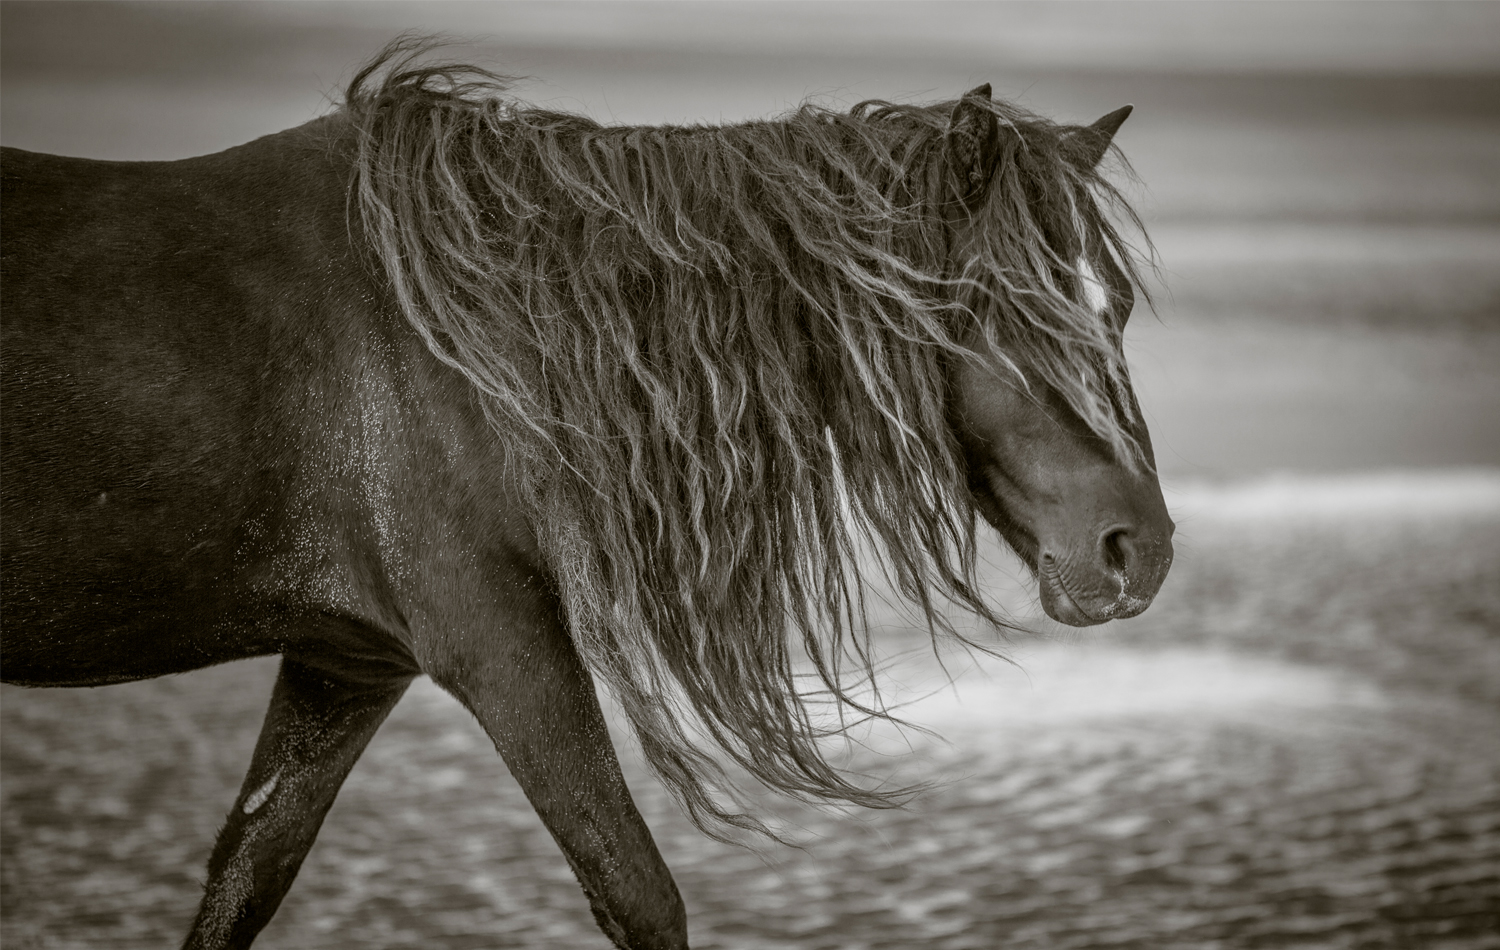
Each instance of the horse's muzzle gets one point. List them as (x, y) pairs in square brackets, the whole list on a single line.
[(1118, 578)]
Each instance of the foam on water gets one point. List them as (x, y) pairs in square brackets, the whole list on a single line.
[(1400, 494), (1057, 685)]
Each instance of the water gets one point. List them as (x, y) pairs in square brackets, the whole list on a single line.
[(1298, 745)]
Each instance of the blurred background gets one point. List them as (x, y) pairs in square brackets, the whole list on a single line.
[(1297, 746)]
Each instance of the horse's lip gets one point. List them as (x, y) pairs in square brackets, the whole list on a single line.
[(1063, 608)]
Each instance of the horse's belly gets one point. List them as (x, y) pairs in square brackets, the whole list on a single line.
[(114, 567), (127, 477)]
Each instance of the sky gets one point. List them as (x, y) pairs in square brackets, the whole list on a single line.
[(158, 80), (1405, 35)]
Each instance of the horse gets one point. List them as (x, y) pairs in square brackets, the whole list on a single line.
[(446, 383)]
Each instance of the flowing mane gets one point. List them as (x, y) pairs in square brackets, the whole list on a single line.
[(719, 358)]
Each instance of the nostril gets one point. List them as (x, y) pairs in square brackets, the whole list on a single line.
[(1118, 548)]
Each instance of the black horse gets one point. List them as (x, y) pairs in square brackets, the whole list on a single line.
[(442, 383)]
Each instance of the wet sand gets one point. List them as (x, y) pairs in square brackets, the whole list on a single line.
[(1298, 745)]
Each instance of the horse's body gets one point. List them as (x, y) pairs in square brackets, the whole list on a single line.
[(224, 438)]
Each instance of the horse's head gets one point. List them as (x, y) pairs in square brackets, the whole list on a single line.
[(1083, 510)]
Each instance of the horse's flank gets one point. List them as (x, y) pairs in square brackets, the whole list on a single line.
[(717, 358)]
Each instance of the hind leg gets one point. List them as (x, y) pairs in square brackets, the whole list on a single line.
[(319, 721)]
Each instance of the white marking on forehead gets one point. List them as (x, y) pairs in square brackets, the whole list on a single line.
[(1094, 295)]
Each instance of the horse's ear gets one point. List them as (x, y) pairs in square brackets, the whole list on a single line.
[(1088, 145), (971, 144)]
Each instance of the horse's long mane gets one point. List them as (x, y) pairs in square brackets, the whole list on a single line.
[(719, 357)]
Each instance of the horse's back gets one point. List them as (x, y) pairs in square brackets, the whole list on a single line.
[(147, 317)]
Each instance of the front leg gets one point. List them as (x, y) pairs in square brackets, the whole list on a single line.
[(536, 701)]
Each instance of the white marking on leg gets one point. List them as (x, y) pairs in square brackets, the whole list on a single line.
[(259, 796), (1094, 295)]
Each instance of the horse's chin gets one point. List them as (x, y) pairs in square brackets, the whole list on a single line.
[(1056, 601)]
